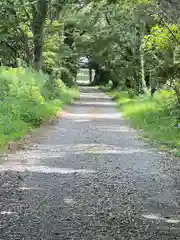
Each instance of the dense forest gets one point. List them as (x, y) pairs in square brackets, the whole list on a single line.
[(133, 43)]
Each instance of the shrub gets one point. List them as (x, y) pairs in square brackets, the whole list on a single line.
[(131, 93), (158, 115), (67, 77), (27, 98), (54, 88)]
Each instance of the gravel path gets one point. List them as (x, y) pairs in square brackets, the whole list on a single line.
[(91, 178)]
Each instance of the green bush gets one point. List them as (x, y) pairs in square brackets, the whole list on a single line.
[(67, 77), (54, 88), (5, 83), (26, 99), (158, 115), (131, 93)]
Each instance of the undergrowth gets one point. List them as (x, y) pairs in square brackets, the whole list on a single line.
[(27, 98), (158, 116)]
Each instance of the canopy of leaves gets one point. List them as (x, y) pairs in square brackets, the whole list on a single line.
[(133, 43)]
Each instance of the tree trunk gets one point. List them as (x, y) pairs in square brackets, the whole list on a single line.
[(114, 84), (152, 84), (143, 82), (39, 12), (90, 75), (127, 83), (101, 77), (137, 85)]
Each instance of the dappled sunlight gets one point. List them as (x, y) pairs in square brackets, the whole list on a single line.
[(117, 151), (158, 217), (151, 216), (68, 200), (43, 169), (94, 96), (53, 152), (117, 128), (90, 148), (89, 90), (88, 115), (35, 155), (95, 103), (112, 149), (82, 120), (8, 213), (28, 188)]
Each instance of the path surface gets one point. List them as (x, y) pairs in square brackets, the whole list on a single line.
[(90, 179)]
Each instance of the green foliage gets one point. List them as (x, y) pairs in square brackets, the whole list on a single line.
[(27, 99), (32, 33), (113, 35), (157, 115), (132, 40), (57, 89), (131, 93), (162, 55), (67, 77), (162, 38)]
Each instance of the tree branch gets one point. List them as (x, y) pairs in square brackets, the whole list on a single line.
[(107, 19)]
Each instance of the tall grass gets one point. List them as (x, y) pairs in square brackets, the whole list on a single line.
[(27, 98), (158, 116)]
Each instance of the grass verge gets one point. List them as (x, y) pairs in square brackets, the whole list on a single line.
[(158, 116), (27, 99)]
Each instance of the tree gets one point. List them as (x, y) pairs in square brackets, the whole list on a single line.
[(135, 44), (39, 14)]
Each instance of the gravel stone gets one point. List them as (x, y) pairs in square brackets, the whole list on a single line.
[(90, 178)]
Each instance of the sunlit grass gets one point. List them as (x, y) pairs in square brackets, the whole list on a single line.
[(27, 99), (157, 116)]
